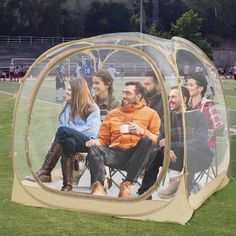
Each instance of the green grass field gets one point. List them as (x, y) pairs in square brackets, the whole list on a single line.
[(217, 216)]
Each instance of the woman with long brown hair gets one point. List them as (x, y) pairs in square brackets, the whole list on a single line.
[(79, 121), (105, 99)]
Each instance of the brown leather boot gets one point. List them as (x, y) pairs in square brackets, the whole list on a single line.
[(67, 173), (98, 189), (50, 161), (125, 189)]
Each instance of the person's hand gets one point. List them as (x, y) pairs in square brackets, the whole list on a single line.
[(162, 143), (173, 157), (135, 129), (90, 143)]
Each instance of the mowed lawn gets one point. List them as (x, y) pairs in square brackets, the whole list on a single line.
[(217, 216)]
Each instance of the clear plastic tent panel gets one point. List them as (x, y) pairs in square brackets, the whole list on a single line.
[(133, 55), (204, 162)]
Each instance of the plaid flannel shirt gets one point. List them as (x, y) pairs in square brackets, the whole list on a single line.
[(215, 123)]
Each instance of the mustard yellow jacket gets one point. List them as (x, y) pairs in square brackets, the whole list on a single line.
[(140, 114)]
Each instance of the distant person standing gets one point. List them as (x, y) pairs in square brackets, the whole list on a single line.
[(21, 71), (11, 72), (198, 69), (122, 71), (78, 70), (87, 72), (60, 83), (186, 73), (112, 71), (16, 74)]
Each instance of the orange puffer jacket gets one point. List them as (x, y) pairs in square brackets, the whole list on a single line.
[(140, 114)]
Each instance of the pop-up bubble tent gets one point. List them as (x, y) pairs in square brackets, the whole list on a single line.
[(132, 55)]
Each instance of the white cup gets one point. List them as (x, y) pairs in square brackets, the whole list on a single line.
[(124, 128)]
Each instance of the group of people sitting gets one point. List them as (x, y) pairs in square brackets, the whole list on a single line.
[(131, 137)]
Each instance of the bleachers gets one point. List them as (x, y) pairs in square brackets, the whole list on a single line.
[(8, 52)]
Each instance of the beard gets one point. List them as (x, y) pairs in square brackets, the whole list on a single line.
[(124, 102), (150, 93)]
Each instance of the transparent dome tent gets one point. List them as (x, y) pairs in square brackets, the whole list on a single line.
[(132, 54)]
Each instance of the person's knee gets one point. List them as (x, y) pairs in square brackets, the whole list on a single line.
[(93, 154), (70, 143), (61, 131)]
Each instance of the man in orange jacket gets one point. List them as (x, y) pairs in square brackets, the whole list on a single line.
[(124, 141)]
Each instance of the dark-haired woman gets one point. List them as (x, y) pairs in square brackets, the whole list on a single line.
[(103, 91)]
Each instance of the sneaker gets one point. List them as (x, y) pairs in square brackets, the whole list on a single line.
[(125, 189), (195, 189), (171, 189), (98, 189)]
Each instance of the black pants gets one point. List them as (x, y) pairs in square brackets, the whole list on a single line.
[(195, 163), (155, 160), (71, 140), (131, 160), (60, 83)]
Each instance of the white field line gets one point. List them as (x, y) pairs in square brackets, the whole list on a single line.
[(52, 103), (56, 104)]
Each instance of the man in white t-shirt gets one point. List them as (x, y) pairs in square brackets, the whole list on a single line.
[(112, 71)]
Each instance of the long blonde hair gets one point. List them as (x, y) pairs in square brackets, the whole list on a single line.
[(81, 101)]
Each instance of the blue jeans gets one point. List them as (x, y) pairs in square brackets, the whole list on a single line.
[(71, 141)]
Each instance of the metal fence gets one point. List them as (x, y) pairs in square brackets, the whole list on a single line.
[(34, 40)]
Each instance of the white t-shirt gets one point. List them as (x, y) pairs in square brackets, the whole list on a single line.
[(77, 71), (112, 71)]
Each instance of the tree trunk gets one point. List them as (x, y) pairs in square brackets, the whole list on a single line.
[(155, 13)]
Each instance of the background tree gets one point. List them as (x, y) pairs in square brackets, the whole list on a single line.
[(55, 18), (158, 15), (170, 11), (3, 21), (8, 19), (107, 17), (219, 18), (226, 18), (42, 18), (189, 26), (38, 18), (150, 14)]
